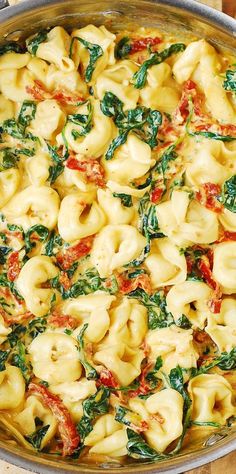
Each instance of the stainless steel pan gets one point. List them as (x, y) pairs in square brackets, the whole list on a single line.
[(193, 18)]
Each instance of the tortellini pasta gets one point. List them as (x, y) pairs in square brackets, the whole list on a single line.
[(33, 205), (12, 388), (222, 326), (34, 273), (49, 119), (128, 323), (122, 360), (212, 398), (120, 214), (224, 269), (131, 160), (116, 79), (174, 345), (117, 242), (108, 437), (99, 36), (191, 299), (201, 61), (95, 142), (9, 183), (165, 264), (73, 394), (27, 419), (93, 310), (56, 49), (79, 216), (185, 221), (160, 92), (115, 246), (163, 411), (59, 360), (14, 84)]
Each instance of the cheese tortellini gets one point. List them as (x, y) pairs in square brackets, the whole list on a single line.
[(36, 272), (224, 268), (117, 242), (212, 398), (79, 216), (185, 221), (165, 264), (163, 411), (33, 205), (59, 360), (174, 345), (115, 246), (12, 388)]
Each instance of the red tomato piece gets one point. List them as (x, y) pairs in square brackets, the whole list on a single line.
[(140, 44), (37, 91), (60, 320), (108, 379), (75, 252), (141, 281), (156, 195), (66, 427), (207, 196), (13, 266), (226, 235), (65, 98), (64, 280), (91, 167)]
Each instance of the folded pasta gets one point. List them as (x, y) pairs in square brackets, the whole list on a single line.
[(117, 243)]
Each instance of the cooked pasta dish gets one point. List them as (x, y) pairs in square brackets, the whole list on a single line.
[(118, 242)]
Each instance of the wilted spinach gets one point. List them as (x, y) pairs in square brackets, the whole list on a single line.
[(140, 77), (97, 404), (95, 52), (33, 42), (90, 371)]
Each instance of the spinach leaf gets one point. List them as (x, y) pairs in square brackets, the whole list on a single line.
[(152, 376), (36, 326), (142, 121), (212, 135), (177, 383), (140, 77), (138, 449), (53, 243), (41, 232), (90, 371), (4, 251), (126, 199), (158, 316), (9, 284), (54, 172), (168, 155), (33, 43), (11, 47), (17, 128), (57, 168), (27, 113), (206, 423), (3, 358), (230, 81), (148, 222), (183, 322), (116, 143), (87, 283), (84, 121), (228, 195), (37, 437), (19, 360), (97, 404), (128, 417), (123, 48), (225, 361), (95, 52), (16, 334)]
